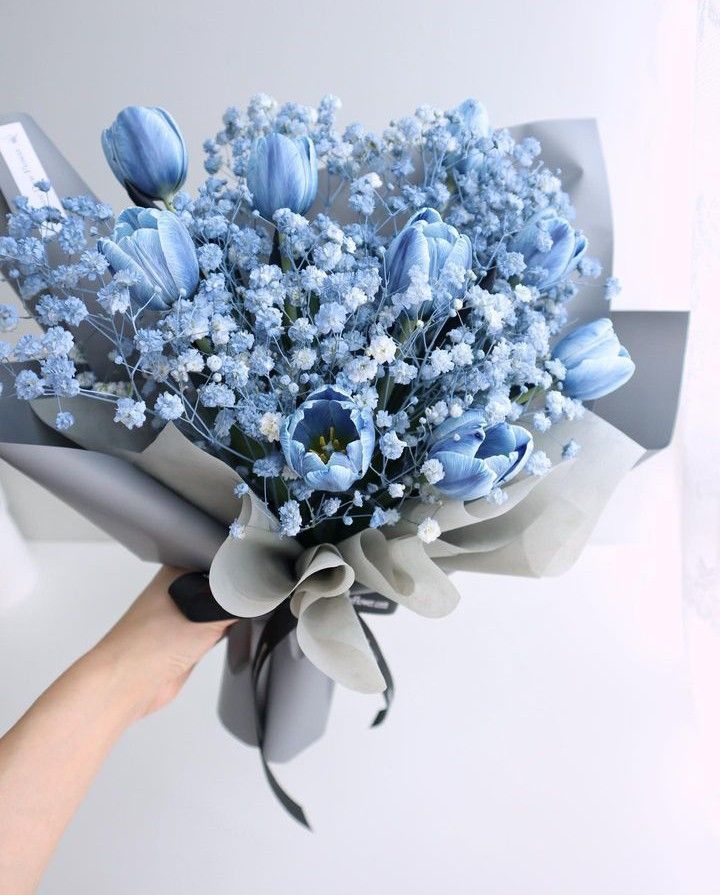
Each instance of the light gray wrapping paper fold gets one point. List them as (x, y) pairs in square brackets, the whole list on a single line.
[(168, 501)]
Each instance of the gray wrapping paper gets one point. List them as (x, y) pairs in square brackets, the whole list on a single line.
[(160, 525), (66, 182)]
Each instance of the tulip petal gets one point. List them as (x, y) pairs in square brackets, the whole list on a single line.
[(467, 444), (499, 439), (461, 254), (591, 340), (408, 249), (597, 377), (142, 292), (111, 156), (295, 454), (431, 215), (179, 254), (546, 268), (357, 456), (151, 155), (501, 464), (580, 249), (471, 420), (182, 146), (523, 448), (282, 173), (439, 248), (465, 478), (145, 247), (311, 175), (333, 477), (126, 223)]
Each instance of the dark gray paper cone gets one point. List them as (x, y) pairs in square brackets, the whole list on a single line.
[(297, 695)]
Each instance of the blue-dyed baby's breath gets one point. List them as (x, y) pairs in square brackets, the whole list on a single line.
[(421, 278)]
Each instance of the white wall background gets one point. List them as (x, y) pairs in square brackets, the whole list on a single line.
[(543, 738)]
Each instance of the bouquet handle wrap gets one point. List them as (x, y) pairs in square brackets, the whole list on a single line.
[(289, 717), (297, 695)]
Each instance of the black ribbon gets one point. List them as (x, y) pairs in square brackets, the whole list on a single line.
[(277, 628), (389, 693), (193, 597)]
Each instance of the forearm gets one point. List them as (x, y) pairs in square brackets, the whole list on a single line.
[(49, 758)]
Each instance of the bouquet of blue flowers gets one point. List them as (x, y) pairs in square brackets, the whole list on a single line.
[(352, 350)]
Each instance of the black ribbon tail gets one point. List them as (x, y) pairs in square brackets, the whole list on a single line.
[(281, 623), (389, 693)]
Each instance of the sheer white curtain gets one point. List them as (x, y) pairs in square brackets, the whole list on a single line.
[(700, 420)]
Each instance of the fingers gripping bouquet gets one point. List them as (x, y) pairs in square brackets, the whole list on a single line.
[(345, 348)]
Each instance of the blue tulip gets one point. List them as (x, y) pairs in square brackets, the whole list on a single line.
[(551, 248), (282, 173), (475, 459), (595, 361), (329, 440), (147, 153), (156, 247), (431, 245)]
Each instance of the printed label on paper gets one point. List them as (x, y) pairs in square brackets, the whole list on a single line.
[(25, 167)]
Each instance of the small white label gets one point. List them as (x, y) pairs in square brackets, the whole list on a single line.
[(25, 166)]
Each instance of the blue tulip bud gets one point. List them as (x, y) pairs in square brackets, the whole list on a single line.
[(551, 249), (435, 248), (156, 248), (595, 361), (147, 153), (282, 173), (329, 440), (476, 460)]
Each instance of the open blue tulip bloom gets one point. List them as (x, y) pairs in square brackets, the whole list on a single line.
[(282, 173), (475, 459), (157, 249), (551, 249), (329, 440), (595, 361), (147, 153), (426, 242)]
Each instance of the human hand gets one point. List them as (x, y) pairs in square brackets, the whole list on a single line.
[(49, 757), (153, 648)]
